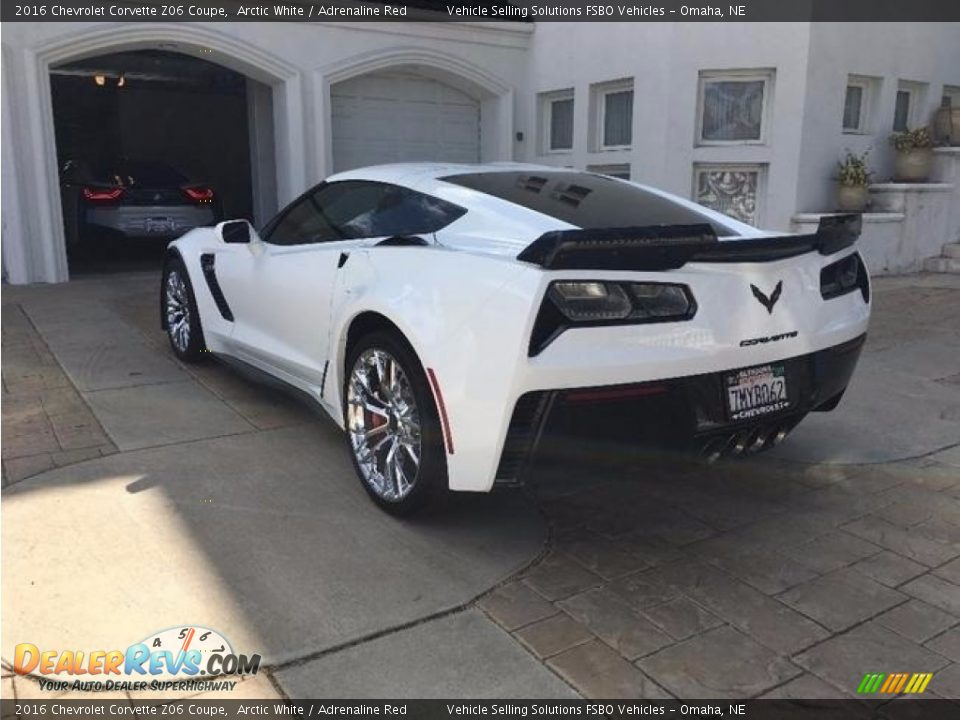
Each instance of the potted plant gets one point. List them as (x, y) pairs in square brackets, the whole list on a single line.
[(853, 178), (914, 154)]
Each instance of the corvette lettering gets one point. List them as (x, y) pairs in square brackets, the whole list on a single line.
[(769, 339)]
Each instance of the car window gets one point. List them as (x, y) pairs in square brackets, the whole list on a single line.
[(302, 223), (586, 200), (142, 173), (354, 209)]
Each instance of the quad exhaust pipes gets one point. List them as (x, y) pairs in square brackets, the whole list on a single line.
[(745, 442)]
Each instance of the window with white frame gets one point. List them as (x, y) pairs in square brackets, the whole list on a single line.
[(735, 190), (908, 106), (858, 103), (617, 170), (556, 111), (733, 106), (612, 115)]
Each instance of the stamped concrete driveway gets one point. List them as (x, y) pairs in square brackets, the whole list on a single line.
[(211, 500), (203, 499)]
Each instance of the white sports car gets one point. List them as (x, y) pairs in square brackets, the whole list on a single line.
[(442, 314)]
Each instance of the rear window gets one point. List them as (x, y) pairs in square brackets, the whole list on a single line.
[(586, 200), (132, 173)]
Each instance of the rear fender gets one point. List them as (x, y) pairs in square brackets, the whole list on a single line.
[(467, 318)]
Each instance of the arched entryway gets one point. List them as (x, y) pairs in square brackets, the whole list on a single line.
[(278, 167), (150, 144), (411, 104)]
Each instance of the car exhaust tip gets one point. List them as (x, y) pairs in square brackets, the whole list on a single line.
[(712, 450), (779, 436), (737, 443), (758, 441)]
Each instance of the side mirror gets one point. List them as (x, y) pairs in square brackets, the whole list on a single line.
[(236, 231)]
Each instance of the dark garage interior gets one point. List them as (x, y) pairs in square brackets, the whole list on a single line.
[(149, 143)]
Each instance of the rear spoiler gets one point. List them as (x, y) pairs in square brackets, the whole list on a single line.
[(667, 247)]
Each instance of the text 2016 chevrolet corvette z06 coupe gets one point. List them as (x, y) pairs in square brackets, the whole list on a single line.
[(441, 313)]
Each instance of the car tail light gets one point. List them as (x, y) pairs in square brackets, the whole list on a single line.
[(584, 303), (199, 194), (102, 194), (843, 277)]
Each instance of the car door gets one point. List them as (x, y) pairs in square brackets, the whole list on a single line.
[(280, 286)]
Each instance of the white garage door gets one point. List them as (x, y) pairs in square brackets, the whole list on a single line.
[(399, 117)]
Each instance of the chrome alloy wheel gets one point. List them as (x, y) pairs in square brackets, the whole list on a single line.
[(177, 306), (384, 424)]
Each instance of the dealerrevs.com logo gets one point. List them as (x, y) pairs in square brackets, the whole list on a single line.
[(183, 658)]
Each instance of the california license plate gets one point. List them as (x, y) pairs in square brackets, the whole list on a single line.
[(756, 391), (161, 225)]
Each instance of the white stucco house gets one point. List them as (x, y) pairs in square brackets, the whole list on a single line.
[(750, 118)]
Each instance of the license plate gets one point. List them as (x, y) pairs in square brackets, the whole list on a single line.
[(756, 391), (161, 225)]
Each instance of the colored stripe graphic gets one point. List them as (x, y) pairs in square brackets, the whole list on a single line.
[(870, 683), (894, 683), (891, 681)]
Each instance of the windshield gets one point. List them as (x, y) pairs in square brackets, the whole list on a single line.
[(130, 173)]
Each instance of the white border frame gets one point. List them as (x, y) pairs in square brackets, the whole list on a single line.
[(767, 76), (545, 102), (598, 99), (917, 92), (865, 122)]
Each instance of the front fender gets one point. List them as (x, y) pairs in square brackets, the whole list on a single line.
[(190, 247), (468, 319)]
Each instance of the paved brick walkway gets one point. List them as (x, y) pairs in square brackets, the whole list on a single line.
[(750, 579), (46, 423)]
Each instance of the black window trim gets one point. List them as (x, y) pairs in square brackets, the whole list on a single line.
[(562, 181), (309, 193)]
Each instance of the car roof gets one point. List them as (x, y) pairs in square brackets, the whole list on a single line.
[(428, 177), (405, 173)]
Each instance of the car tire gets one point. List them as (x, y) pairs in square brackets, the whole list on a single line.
[(406, 423), (178, 309)]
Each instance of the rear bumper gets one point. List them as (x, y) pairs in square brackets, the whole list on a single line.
[(159, 221), (685, 413)]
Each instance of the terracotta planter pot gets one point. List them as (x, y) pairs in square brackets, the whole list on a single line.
[(914, 165), (852, 198)]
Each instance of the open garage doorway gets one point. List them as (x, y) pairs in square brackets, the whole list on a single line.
[(151, 143)]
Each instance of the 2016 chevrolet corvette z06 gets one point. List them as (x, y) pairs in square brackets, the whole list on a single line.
[(443, 314)]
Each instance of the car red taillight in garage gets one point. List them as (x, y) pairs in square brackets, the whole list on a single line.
[(102, 194), (199, 194)]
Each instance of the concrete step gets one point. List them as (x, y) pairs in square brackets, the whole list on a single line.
[(942, 265), (951, 250)]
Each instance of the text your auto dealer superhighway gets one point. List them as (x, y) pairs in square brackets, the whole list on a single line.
[(86, 11)]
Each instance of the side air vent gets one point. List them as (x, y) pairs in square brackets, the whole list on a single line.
[(526, 424), (207, 263)]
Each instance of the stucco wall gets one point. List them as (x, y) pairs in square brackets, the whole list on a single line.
[(921, 52), (665, 60)]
